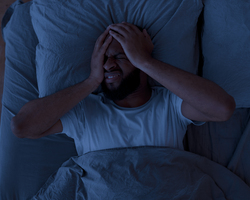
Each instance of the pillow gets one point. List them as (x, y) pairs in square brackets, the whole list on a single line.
[(25, 164), (67, 31), (226, 47)]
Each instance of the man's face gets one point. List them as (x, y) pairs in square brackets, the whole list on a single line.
[(121, 77)]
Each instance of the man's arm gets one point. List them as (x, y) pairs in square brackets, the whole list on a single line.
[(203, 100), (41, 117)]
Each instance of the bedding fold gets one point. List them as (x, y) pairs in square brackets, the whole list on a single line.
[(142, 173)]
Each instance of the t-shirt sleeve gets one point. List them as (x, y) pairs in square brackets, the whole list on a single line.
[(177, 102), (73, 121)]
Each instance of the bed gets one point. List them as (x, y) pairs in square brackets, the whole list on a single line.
[(48, 48)]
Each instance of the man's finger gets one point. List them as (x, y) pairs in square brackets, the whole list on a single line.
[(102, 37), (106, 44), (145, 33), (131, 26), (121, 29), (117, 36)]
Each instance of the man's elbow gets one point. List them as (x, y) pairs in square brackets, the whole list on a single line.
[(228, 109), (19, 129)]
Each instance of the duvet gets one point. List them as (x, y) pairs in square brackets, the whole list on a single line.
[(142, 173)]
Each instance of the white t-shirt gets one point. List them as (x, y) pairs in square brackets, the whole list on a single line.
[(97, 123)]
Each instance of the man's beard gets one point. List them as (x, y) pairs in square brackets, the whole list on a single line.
[(128, 86)]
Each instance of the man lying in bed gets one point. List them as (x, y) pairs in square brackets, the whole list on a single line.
[(129, 112)]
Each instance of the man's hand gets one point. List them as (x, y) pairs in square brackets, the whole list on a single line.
[(137, 45), (97, 60)]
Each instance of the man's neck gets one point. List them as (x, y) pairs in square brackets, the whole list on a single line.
[(136, 99)]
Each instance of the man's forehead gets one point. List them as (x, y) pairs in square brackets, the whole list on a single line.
[(114, 49)]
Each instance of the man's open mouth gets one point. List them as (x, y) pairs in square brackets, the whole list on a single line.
[(111, 77)]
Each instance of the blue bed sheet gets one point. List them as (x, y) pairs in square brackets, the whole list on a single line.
[(143, 173), (25, 164), (226, 143)]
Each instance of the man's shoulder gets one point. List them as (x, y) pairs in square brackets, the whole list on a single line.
[(95, 98), (160, 90), (162, 94)]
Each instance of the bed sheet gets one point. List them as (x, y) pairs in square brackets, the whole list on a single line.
[(25, 164), (225, 47), (143, 173), (226, 143)]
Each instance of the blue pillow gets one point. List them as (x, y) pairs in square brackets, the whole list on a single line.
[(226, 47), (67, 31), (25, 164)]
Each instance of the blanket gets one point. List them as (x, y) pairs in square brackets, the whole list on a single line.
[(142, 173)]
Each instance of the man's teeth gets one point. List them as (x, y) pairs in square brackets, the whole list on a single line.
[(113, 76)]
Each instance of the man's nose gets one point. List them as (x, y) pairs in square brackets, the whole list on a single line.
[(110, 64)]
